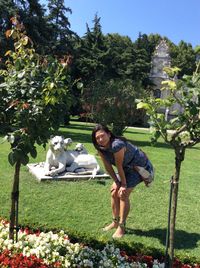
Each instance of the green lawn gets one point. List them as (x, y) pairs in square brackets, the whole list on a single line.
[(83, 208)]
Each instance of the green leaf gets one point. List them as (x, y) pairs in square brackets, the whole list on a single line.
[(170, 84), (174, 120), (24, 160), (171, 71), (3, 85), (143, 105), (79, 85), (52, 85), (33, 152), (20, 75), (25, 40), (11, 158), (155, 136), (161, 116)]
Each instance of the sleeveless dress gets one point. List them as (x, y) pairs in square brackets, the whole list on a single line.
[(133, 158)]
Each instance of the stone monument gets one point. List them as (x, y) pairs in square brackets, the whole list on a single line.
[(161, 58), (65, 164)]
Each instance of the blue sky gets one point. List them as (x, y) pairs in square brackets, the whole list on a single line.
[(176, 19)]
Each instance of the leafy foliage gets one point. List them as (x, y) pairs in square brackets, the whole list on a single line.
[(183, 56), (112, 103), (35, 90), (93, 51), (185, 123), (61, 35)]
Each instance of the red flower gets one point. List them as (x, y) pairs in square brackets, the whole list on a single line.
[(123, 253), (20, 261), (57, 264)]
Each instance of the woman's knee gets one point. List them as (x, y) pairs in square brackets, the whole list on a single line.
[(125, 195), (114, 194)]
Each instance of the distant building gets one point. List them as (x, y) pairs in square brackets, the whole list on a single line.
[(161, 59)]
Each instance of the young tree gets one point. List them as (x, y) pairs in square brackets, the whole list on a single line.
[(33, 90), (181, 132)]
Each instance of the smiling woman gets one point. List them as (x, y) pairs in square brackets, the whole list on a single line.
[(133, 167)]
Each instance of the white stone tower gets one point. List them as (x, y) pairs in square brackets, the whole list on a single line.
[(160, 60)]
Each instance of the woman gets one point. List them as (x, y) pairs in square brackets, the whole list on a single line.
[(132, 166)]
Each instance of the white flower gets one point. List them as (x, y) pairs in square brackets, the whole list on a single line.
[(49, 245), (67, 263)]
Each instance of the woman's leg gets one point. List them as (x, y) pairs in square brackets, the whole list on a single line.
[(124, 211), (115, 205)]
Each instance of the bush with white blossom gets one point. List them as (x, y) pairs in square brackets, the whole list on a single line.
[(56, 248)]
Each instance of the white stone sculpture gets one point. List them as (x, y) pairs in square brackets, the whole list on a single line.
[(59, 158)]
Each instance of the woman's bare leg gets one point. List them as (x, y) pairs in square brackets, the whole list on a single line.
[(124, 211), (115, 205)]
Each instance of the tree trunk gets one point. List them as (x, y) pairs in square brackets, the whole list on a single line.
[(180, 152), (14, 203)]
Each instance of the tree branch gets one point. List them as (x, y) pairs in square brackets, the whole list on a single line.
[(177, 132)]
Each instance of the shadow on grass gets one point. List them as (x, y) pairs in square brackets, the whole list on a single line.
[(183, 240)]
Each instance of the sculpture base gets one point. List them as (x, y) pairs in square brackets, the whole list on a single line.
[(37, 169)]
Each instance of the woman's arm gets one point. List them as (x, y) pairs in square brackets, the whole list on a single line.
[(119, 158), (109, 168)]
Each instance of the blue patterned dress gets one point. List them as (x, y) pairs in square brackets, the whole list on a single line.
[(133, 156)]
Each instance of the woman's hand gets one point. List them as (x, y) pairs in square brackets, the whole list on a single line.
[(122, 192), (115, 186)]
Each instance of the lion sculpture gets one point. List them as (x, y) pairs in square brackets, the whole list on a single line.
[(60, 159)]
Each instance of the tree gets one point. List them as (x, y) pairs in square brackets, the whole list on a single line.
[(60, 27), (89, 60), (181, 132), (120, 59), (145, 46), (183, 56), (112, 103), (32, 14), (105, 58), (33, 90), (93, 50), (7, 10), (147, 43)]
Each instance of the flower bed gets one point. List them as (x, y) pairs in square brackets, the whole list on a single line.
[(49, 250)]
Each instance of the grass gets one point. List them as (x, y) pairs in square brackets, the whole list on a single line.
[(83, 208)]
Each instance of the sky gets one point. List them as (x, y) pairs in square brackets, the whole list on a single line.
[(176, 19)]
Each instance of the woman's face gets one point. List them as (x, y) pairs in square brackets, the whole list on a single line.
[(102, 138)]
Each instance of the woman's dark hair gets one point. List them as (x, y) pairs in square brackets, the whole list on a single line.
[(99, 127)]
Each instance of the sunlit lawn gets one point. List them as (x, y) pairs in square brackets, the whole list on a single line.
[(83, 208)]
